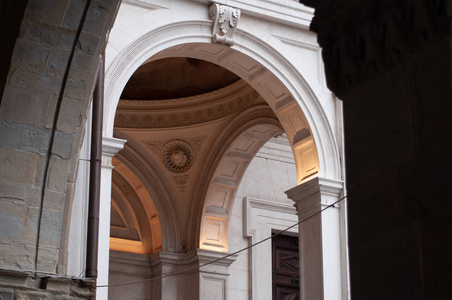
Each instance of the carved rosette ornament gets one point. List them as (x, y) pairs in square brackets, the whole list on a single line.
[(225, 19), (177, 156)]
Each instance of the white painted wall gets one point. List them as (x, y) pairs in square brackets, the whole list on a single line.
[(260, 207), (272, 171)]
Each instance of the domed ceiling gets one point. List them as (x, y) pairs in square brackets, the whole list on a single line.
[(176, 77), (178, 115)]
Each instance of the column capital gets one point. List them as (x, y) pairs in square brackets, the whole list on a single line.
[(110, 146), (317, 185), (321, 267), (193, 258)]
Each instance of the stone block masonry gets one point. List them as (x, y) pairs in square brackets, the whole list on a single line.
[(19, 285), (28, 107)]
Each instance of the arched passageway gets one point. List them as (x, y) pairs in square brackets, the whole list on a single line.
[(193, 142)]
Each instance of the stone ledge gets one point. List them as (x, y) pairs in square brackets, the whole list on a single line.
[(26, 285)]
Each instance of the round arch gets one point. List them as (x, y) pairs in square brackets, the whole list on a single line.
[(154, 188), (268, 71), (234, 150)]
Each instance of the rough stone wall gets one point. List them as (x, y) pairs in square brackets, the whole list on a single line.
[(19, 285), (28, 108)]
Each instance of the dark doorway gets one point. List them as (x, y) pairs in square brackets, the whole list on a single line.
[(285, 266)]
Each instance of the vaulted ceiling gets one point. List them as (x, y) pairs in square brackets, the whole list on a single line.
[(197, 126)]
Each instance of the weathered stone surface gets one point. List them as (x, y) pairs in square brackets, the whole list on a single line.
[(96, 17), (28, 106), (51, 228), (17, 167), (73, 14), (6, 294), (17, 257), (47, 260), (30, 55), (56, 173), (75, 89), (29, 286), (10, 225), (14, 100), (47, 12), (53, 36), (24, 137), (19, 194), (58, 169), (84, 63), (31, 233), (69, 120), (35, 81), (54, 201), (62, 146), (58, 63), (88, 43)]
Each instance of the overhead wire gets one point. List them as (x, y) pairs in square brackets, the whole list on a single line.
[(181, 272)]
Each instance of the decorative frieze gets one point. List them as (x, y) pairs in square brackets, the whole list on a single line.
[(181, 182), (225, 20), (184, 111)]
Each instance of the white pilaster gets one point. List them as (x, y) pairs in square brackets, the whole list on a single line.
[(207, 283), (319, 238), (110, 146)]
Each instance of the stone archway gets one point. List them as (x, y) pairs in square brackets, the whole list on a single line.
[(270, 73), (264, 68)]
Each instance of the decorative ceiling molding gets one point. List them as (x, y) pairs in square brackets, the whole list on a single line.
[(178, 156), (186, 111)]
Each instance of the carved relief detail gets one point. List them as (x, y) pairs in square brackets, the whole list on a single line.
[(178, 156), (141, 114), (181, 181), (225, 19), (154, 146), (198, 141)]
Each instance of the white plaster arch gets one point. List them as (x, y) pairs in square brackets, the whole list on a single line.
[(198, 32), (159, 195), (138, 202), (236, 147)]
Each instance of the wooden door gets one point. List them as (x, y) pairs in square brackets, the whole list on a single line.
[(286, 281)]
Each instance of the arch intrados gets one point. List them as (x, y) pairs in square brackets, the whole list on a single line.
[(238, 128), (158, 195), (145, 244)]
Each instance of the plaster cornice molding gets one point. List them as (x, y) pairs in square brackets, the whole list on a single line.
[(110, 146), (186, 111), (287, 12), (306, 195)]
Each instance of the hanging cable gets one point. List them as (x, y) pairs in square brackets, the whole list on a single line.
[(226, 256)]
